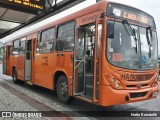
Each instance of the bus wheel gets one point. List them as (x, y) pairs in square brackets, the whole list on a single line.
[(14, 77), (62, 89)]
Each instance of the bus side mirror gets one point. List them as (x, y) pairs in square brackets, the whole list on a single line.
[(110, 30)]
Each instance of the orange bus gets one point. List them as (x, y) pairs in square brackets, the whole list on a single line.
[(105, 54)]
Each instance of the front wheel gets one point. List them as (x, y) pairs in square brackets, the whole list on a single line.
[(62, 89)]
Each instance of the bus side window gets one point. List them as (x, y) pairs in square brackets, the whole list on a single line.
[(15, 47), (65, 40), (22, 47), (46, 41)]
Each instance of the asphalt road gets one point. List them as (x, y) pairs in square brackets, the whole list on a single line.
[(51, 100)]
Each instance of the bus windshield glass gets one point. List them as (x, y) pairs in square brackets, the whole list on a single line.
[(126, 52)]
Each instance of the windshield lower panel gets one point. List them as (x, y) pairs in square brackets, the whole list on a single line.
[(126, 52)]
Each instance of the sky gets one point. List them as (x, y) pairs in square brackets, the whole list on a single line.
[(150, 6)]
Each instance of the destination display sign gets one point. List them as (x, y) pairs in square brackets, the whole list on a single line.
[(36, 5), (130, 14)]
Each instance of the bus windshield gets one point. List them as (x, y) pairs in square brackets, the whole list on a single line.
[(126, 52)]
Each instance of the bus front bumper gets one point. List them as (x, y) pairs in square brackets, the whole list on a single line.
[(110, 96)]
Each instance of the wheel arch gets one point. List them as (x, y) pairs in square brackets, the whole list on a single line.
[(14, 67), (55, 81), (57, 74)]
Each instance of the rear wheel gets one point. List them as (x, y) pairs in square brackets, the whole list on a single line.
[(62, 89), (14, 77)]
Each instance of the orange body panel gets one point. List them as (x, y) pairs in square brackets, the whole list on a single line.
[(18, 62), (119, 96), (45, 66)]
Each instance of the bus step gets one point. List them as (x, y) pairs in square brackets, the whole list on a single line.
[(89, 80), (89, 92), (29, 82)]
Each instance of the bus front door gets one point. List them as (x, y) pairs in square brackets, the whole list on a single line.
[(79, 63), (84, 63)]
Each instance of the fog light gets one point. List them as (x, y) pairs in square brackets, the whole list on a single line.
[(113, 80), (117, 85)]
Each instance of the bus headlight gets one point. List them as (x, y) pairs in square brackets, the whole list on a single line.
[(113, 80), (117, 86)]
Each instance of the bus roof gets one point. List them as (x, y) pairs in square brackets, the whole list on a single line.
[(52, 21), (58, 19)]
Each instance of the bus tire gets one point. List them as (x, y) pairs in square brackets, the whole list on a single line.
[(62, 90), (14, 77)]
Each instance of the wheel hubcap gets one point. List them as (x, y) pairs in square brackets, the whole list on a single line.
[(63, 88)]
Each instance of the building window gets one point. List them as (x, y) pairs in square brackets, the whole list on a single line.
[(65, 40)]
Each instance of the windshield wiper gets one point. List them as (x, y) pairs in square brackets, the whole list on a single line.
[(149, 39), (132, 30)]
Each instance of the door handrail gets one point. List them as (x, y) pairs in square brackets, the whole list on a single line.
[(80, 62)]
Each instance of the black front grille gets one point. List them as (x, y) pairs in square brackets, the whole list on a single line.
[(136, 86), (130, 86), (136, 95), (144, 85)]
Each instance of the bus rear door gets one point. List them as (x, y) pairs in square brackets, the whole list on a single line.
[(6, 60), (28, 60)]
